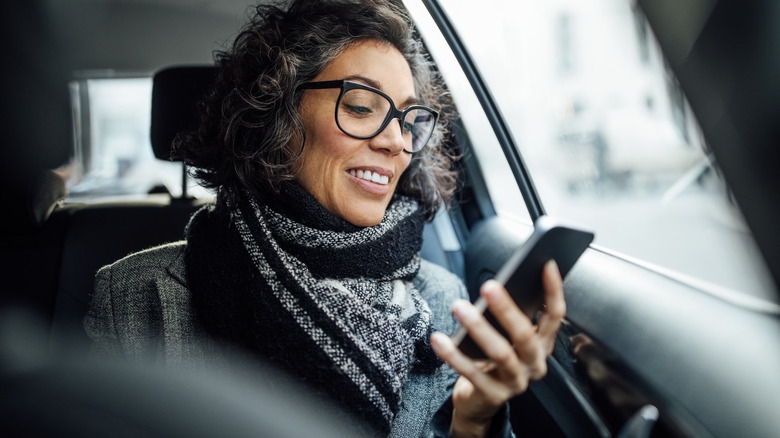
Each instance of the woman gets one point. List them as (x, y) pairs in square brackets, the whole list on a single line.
[(323, 141)]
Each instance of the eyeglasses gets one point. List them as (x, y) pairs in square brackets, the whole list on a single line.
[(363, 112)]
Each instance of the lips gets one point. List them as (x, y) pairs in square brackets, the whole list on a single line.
[(368, 175)]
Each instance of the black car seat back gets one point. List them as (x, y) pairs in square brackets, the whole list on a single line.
[(99, 234)]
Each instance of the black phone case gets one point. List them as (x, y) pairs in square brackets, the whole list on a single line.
[(522, 273)]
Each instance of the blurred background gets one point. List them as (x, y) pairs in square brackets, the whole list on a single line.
[(607, 134)]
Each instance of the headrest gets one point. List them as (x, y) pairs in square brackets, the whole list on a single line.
[(175, 94), (31, 201)]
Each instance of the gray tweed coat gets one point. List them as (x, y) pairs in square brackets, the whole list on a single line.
[(141, 309)]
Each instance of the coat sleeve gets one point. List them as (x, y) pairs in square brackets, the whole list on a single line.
[(500, 427), (441, 288), (140, 312), (99, 322), (125, 316)]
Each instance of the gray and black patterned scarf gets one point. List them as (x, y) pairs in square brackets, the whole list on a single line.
[(327, 301)]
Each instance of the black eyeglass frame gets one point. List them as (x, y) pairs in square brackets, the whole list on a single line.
[(394, 113)]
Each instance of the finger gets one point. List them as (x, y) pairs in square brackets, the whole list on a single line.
[(462, 364), (555, 305), (527, 358), (517, 325), (533, 349), (493, 344)]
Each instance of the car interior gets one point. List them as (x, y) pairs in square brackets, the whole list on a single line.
[(643, 351)]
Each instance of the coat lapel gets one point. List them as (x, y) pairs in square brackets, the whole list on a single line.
[(177, 269)]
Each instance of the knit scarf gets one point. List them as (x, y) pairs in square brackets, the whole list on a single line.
[(329, 302)]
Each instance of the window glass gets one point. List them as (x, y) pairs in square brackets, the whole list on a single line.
[(486, 150), (113, 153), (608, 136)]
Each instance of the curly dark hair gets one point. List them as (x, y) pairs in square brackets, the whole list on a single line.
[(250, 118)]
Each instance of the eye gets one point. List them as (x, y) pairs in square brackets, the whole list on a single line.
[(358, 110)]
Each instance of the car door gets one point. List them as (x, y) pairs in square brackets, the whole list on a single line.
[(665, 341)]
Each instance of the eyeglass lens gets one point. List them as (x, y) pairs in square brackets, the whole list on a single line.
[(361, 113)]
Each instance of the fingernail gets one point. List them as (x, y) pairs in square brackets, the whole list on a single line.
[(464, 310), (440, 342), (489, 289)]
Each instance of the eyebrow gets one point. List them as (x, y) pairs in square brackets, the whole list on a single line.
[(411, 100)]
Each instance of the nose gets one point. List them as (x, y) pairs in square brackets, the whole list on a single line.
[(390, 139)]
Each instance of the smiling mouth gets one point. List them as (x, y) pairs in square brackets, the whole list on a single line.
[(370, 176)]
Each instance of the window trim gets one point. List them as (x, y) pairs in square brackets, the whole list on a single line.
[(503, 134)]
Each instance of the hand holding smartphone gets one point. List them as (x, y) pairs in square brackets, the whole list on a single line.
[(521, 275)]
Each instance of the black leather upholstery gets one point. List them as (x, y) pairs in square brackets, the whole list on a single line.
[(99, 234), (175, 95)]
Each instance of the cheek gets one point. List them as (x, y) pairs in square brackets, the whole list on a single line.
[(406, 163), (407, 170), (316, 120), (321, 129), (327, 146), (316, 136), (325, 150)]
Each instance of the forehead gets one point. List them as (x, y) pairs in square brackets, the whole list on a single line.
[(379, 62)]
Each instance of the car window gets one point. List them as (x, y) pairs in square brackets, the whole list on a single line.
[(112, 149), (485, 150), (606, 133)]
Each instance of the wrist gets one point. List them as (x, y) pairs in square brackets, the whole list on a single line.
[(461, 426)]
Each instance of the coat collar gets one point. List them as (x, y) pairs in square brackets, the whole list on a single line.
[(177, 268)]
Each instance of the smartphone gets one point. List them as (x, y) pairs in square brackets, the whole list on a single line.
[(521, 275)]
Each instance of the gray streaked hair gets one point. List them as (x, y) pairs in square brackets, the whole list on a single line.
[(250, 120)]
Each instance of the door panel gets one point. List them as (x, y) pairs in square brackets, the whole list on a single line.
[(646, 338), (637, 337)]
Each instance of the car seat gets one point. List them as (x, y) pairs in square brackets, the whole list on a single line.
[(31, 240), (101, 233)]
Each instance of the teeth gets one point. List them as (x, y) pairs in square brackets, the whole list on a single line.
[(370, 176)]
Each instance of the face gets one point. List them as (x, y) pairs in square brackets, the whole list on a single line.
[(334, 167)]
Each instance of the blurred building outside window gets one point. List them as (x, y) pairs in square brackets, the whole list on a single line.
[(607, 135), (113, 154)]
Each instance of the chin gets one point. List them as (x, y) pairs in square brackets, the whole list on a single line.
[(364, 213), (365, 221), (364, 217)]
